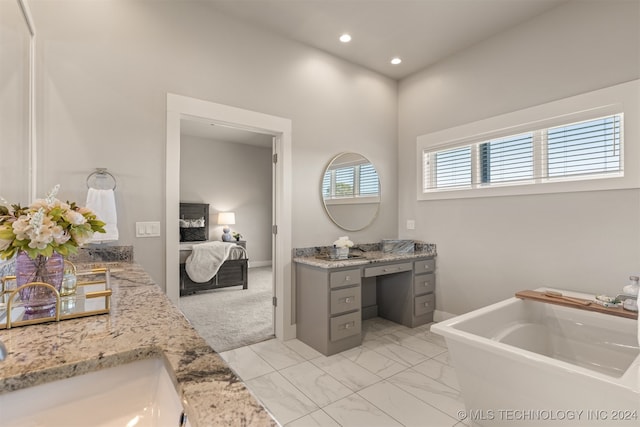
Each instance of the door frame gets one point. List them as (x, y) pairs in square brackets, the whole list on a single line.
[(183, 107)]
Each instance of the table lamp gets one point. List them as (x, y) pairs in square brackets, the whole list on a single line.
[(226, 219)]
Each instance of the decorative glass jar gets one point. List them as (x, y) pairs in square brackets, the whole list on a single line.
[(50, 270)]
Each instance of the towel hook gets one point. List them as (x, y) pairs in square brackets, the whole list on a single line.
[(101, 180)]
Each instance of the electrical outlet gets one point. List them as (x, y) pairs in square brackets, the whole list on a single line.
[(411, 224)]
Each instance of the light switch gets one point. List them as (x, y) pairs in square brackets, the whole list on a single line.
[(148, 229), (411, 224)]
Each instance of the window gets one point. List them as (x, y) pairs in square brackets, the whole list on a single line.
[(507, 159), (589, 148), (351, 182), (449, 168), (369, 183)]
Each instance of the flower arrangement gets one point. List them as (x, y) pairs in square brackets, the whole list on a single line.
[(46, 226), (236, 235), (343, 242)]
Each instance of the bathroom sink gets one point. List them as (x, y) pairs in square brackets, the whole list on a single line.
[(137, 394)]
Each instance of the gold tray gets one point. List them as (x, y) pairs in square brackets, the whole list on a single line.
[(92, 297)]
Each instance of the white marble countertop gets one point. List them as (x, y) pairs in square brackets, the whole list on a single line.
[(364, 258), (143, 323)]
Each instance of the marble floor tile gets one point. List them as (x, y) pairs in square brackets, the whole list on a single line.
[(277, 354), (405, 407), (302, 349), (445, 358), (378, 325), (398, 377), (347, 372), (280, 397), (430, 391), (318, 418), (356, 411), (374, 362), (246, 363), (425, 334), (315, 383), (396, 352), (440, 372), (416, 344)]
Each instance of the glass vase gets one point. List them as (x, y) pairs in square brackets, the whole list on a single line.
[(38, 299)]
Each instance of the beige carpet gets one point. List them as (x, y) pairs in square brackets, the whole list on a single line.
[(233, 317)]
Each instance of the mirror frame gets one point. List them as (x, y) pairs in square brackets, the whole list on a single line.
[(33, 160), (324, 204)]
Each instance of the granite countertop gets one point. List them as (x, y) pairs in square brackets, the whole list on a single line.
[(143, 323), (363, 258)]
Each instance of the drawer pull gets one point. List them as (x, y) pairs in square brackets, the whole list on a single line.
[(347, 278), (347, 325), (347, 300), (426, 304)]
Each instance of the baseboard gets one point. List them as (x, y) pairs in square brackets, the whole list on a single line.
[(256, 264)]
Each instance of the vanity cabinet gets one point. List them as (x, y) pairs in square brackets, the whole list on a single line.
[(329, 300), (408, 297), (328, 308)]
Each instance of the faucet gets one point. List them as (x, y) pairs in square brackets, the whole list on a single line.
[(3, 351)]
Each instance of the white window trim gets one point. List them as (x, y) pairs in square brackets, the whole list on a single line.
[(623, 98)]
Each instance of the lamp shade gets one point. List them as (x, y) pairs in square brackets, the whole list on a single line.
[(226, 218)]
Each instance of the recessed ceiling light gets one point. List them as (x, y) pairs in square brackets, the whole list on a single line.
[(396, 61), (345, 38)]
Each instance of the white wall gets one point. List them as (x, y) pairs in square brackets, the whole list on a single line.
[(230, 177), (104, 68), (489, 248)]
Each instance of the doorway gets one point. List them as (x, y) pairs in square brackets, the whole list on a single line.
[(181, 107), (230, 170)]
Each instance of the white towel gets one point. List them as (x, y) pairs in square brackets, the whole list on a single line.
[(103, 204), (206, 258)]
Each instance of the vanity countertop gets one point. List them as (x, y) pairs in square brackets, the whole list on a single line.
[(363, 258), (143, 323)]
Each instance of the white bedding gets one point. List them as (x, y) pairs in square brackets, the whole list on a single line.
[(206, 258)]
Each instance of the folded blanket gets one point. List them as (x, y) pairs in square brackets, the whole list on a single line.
[(206, 258)]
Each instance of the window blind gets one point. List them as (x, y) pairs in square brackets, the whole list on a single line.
[(326, 184), (584, 148), (345, 182), (591, 147), (453, 168), (507, 159), (368, 181)]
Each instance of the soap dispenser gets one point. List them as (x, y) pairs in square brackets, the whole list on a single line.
[(631, 291)]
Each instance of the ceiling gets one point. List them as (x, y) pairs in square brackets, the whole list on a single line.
[(421, 32)]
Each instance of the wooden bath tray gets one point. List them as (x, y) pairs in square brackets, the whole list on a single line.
[(541, 297)]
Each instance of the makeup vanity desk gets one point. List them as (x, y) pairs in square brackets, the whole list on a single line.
[(334, 296)]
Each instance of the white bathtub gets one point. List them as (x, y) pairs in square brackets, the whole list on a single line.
[(529, 363)]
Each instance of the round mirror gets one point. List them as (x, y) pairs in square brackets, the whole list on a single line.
[(351, 191)]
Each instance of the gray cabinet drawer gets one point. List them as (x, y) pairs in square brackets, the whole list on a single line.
[(345, 326), (343, 300), (424, 284), (387, 269), (425, 266), (424, 304), (344, 278)]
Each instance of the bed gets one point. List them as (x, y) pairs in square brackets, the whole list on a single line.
[(194, 229)]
